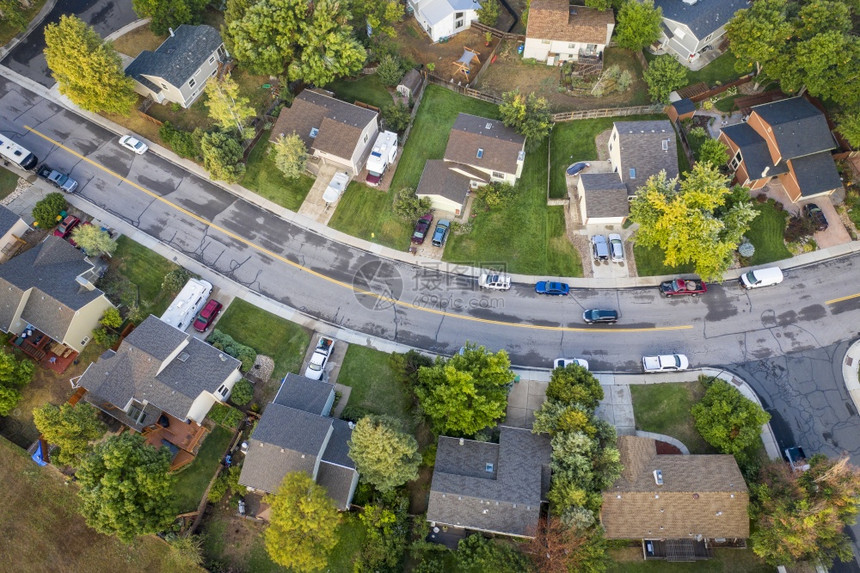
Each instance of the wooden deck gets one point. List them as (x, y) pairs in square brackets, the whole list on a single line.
[(46, 352)]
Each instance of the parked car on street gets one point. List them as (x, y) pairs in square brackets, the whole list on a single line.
[(616, 248), (552, 288), (770, 276), (207, 315), (422, 226), (440, 234), (133, 144), (600, 316), (665, 363), (61, 180), (562, 362), (64, 229), (816, 215), (692, 287), (494, 281), (599, 248)]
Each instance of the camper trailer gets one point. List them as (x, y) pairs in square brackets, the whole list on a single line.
[(187, 303), (383, 154)]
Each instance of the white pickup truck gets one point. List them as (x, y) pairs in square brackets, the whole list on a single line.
[(665, 363), (319, 358), (494, 281)]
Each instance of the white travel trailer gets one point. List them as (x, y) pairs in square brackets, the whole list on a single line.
[(187, 303), (382, 155)]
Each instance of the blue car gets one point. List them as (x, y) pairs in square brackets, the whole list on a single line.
[(557, 289), (577, 167)]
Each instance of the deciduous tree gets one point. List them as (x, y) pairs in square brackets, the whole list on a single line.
[(290, 155), (574, 384), (222, 156), (126, 487), (477, 554), (681, 220), (166, 14), (303, 527), (72, 428), (848, 124), (226, 106), (396, 116), (466, 393), (12, 14), (560, 549), (715, 152), (380, 15), (527, 115), (88, 70), (664, 75), (407, 205), (264, 36), (384, 455), (93, 240), (727, 420), (15, 373), (638, 24), (757, 33)]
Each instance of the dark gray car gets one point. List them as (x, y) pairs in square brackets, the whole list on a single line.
[(600, 248)]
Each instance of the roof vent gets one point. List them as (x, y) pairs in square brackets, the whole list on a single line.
[(462, 441), (665, 145), (695, 496), (183, 356), (485, 511), (719, 513), (282, 451), (658, 477), (222, 357), (690, 2), (489, 125)]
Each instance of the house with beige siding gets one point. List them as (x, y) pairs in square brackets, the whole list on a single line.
[(334, 131), (558, 31), (179, 68)]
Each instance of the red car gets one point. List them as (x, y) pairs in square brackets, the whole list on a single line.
[(64, 229), (692, 287), (422, 227), (207, 316)]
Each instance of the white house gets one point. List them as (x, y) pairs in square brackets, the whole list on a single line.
[(444, 18), (558, 32)]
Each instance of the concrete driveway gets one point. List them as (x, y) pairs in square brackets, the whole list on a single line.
[(313, 206)]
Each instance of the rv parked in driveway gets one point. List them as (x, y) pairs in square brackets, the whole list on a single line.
[(383, 154), (187, 303), (761, 278)]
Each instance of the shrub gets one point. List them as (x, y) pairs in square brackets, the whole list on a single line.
[(390, 69), (245, 354), (797, 228), (111, 318), (226, 416), (175, 280), (407, 205), (496, 194), (242, 393), (184, 143), (46, 211), (396, 116), (103, 337), (353, 413)]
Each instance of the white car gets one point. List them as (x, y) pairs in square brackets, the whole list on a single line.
[(665, 363), (616, 248), (336, 187), (562, 362), (133, 144), (494, 281)]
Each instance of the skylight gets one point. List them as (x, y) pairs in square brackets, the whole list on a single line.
[(480, 152), (314, 132), (632, 173)]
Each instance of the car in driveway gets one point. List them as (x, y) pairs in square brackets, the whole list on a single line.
[(440, 234), (552, 288), (133, 144), (64, 229), (563, 362), (616, 248), (600, 316), (665, 363), (814, 213), (422, 226), (599, 248), (207, 315)]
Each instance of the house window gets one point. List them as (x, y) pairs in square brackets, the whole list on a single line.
[(458, 15), (736, 161), (480, 153), (459, 24), (211, 59), (498, 175), (223, 391), (191, 83), (314, 132), (135, 412), (610, 146), (572, 46), (632, 173), (591, 49)]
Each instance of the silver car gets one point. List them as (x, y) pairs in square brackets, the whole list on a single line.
[(616, 248)]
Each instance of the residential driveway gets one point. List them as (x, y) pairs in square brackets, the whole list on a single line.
[(314, 206), (105, 16), (836, 233)]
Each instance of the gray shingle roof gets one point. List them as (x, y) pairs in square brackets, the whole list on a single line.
[(641, 149), (798, 126), (133, 371), (49, 268), (337, 481), (506, 499), (293, 429), (816, 174), (754, 152), (7, 220), (411, 80), (179, 56), (337, 451), (501, 145), (304, 394), (702, 17), (605, 195), (438, 178)]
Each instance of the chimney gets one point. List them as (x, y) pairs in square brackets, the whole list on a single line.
[(171, 32), (658, 477)]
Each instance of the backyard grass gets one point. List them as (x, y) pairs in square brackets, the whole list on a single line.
[(524, 234), (727, 104), (637, 93), (7, 32), (573, 141), (8, 182), (720, 71), (266, 180), (43, 531), (134, 42), (284, 341), (629, 560), (135, 276), (366, 89), (665, 409), (766, 234), (375, 388), (649, 262), (191, 482)]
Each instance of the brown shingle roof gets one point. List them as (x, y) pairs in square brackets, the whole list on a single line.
[(701, 495), (501, 145), (447, 180), (339, 123), (552, 20)]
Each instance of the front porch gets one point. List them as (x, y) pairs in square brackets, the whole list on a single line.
[(183, 439), (47, 352)]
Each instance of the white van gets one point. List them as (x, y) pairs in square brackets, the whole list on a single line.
[(761, 278), (187, 303)]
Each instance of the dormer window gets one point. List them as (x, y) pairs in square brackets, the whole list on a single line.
[(314, 132), (480, 153)]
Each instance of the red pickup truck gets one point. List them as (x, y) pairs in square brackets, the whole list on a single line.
[(692, 287)]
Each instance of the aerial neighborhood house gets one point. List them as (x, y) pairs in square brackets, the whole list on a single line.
[(296, 433), (444, 18), (179, 68), (12, 229), (479, 151), (558, 31), (789, 140), (48, 299), (495, 488), (334, 131), (678, 505), (689, 26), (637, 150), (162, 383)]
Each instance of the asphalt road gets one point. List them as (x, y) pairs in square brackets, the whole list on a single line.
[(105, 16)]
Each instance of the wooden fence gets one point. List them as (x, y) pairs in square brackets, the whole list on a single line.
[(606, 112), (464, 90), (720, 89), (498, 33)]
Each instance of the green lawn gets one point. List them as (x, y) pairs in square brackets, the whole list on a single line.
[(727, 104), (573, 141), (366, 89), (8, 182), (649, 263), (284, 341), (135, 276), (665, 409), (721, 70), (724, 561), (624, 59), (766, 234), (7, 32), (351, 533), (374, 385), (526, 234), (264, 179), (367, 213), (191, 482)]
